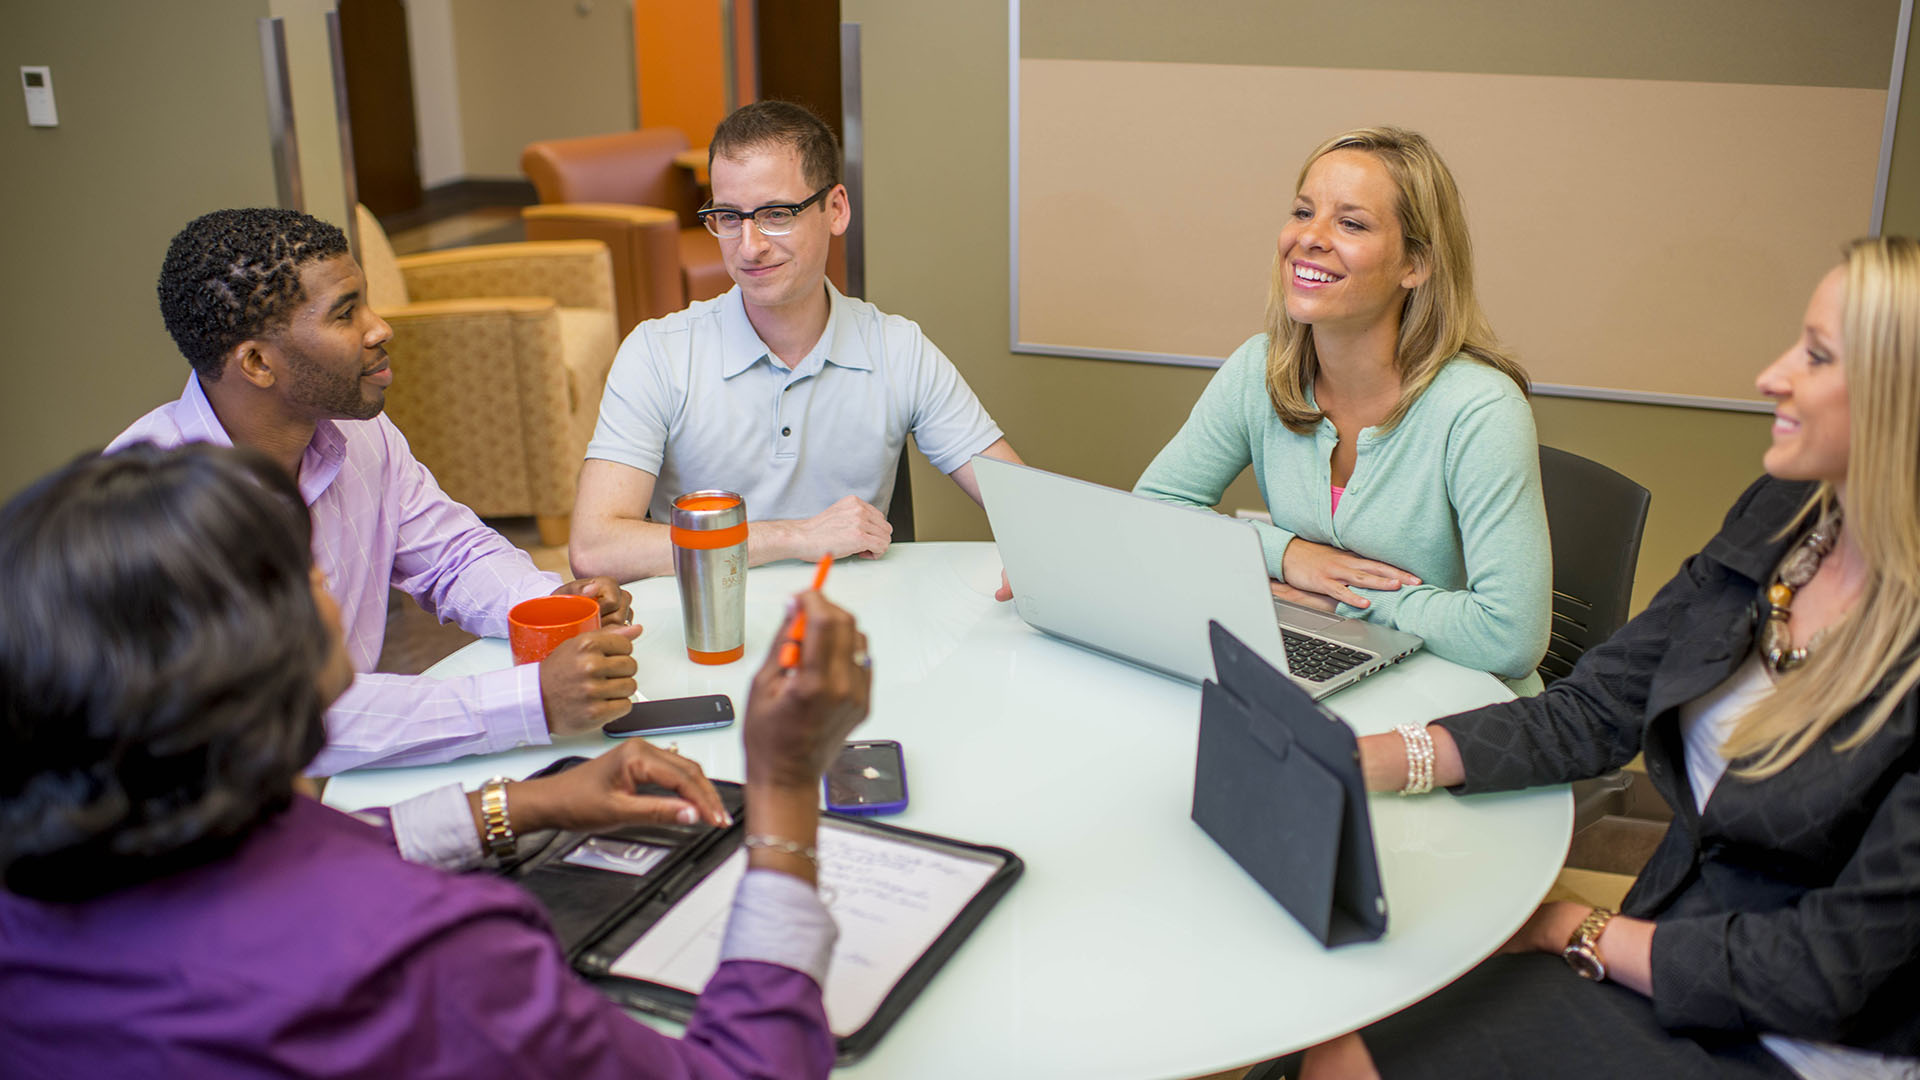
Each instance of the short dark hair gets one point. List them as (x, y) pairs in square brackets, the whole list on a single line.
[(159, 665), (767, 125), (233, 274)]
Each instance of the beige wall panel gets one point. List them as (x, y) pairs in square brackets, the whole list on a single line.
[(1632, 234), (1831, 43), (163, 117), (539, 69), (1903, 180)]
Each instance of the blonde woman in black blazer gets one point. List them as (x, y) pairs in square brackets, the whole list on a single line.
[(1772, 688)]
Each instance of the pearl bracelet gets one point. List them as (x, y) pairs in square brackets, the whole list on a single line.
[(784, 845), (1419, 758)]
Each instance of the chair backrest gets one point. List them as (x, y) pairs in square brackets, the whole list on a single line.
[(900, 507), (634, 167), (1595, 516), (386, 286)]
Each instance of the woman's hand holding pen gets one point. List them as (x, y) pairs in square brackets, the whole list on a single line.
[(797, 718)]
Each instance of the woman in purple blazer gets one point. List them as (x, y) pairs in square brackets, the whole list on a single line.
[(174, 906)]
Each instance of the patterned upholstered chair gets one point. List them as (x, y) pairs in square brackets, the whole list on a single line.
[(500, 353)]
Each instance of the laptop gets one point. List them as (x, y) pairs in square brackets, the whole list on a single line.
[(1138, 579)]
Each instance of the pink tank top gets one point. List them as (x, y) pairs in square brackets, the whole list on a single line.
[(1337, 492)]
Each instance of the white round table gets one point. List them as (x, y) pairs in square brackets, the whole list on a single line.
[(1132, 946)]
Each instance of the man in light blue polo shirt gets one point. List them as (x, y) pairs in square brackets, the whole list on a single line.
[(782, 389)]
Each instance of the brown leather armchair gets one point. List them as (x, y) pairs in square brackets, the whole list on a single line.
[(500, 354), (628, 191)]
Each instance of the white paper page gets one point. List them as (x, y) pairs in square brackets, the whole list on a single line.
[(891, 899)]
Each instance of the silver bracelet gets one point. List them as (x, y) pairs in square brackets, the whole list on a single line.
[(782, 844), (1419, 758)]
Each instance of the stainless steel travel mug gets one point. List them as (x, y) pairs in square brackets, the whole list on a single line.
[(710, 563)]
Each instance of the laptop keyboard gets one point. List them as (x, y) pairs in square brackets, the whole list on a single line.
[(1317, 659)]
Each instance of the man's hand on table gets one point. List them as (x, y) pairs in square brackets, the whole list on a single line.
[(588, 680), (616, 606), (851, 526)]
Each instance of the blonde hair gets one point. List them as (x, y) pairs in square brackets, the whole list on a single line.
[(1875, 647), (1442, 316)]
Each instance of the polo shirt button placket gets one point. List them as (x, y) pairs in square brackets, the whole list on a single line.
[(784, 446)]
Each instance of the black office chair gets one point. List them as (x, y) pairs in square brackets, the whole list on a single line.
[(1595, 517), (900, 507)]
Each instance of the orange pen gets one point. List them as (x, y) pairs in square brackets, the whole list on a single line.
[(790, 648)]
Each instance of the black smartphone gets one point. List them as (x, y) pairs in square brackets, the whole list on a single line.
[(868, 778), (670, 715)]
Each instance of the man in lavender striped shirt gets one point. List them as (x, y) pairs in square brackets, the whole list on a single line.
[(270, 310)]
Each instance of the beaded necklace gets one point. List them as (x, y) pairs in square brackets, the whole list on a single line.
[(1798, 568)]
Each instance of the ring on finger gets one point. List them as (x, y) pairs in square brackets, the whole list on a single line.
[(863, 659)]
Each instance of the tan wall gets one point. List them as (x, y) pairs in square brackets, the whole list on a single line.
[(935, 77), (538, 69), (436, 91), (316, 122), (162, 118), (1903, 192)]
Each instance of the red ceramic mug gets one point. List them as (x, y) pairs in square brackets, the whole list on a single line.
[(536, 627)]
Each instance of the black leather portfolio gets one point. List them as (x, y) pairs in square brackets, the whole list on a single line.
[(605, 891), (1277, 785)]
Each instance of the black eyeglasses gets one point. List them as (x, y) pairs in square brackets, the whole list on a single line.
[(773, 219)]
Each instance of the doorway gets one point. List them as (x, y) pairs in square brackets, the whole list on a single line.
[(379, 75)]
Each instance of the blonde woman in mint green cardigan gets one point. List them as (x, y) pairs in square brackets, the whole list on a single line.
[(1389, 435)]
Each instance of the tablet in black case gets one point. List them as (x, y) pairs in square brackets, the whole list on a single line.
[(1277, 785), (599, 913)]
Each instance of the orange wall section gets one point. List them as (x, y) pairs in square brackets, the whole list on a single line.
[(680, 67)]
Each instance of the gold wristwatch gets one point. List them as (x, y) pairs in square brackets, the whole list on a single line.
[(1582, 953), (499, 839)]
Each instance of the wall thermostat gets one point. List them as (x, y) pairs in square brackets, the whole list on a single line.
[(38, 84)]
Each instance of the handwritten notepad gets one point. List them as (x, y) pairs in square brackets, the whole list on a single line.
[(891, 896)]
